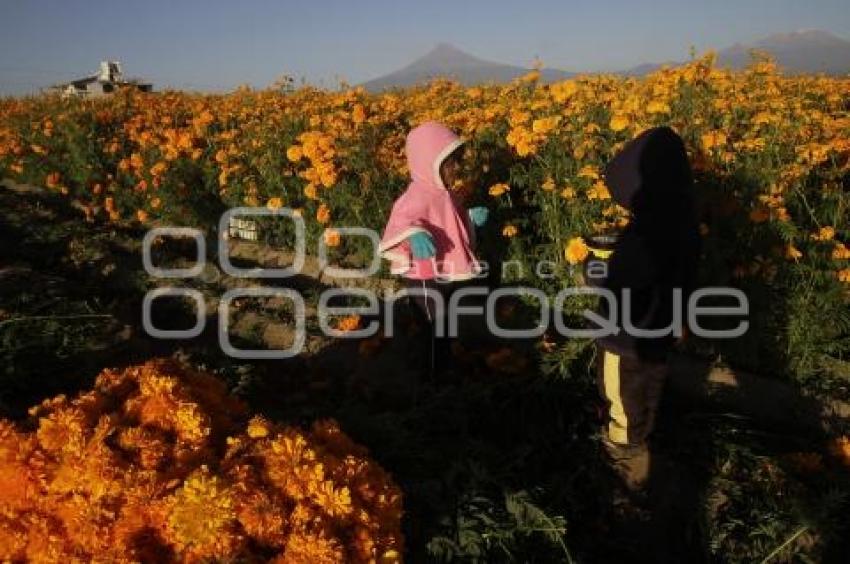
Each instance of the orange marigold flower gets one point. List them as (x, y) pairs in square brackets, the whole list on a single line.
[(792, 252), (840, 252), (576, 250), (499, 189), (825, 233), (258, 428), (349, 323), (568, 193), (332, 237), (323, 214), (294, 153), (588, 171), (599, 191), (510, 231), (619, 122), (358, 114)]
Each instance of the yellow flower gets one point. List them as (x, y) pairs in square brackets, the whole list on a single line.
[(510, 231), (576, 250), (201, 515), (588, 171), (358, 114), (499, 189), (713, 139), (792, 253), (525, 148), (825, 233), (349, 323), (658, 107), (844, 275), (568, 193), (159, 168), (840, 252), (294, 153), (598, 191), (310, 191), (391, 557), (548, 184), (274, 203), (258, 428), (332, 237), (323, 214), (545, 125), (618, 122), (142, 216)]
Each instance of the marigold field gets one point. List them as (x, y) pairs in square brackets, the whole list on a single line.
[(122, 472), (773, 155)]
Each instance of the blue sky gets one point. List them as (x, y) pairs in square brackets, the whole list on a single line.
[(216, 44)]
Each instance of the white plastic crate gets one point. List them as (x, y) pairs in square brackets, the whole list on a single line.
[(245, 229)]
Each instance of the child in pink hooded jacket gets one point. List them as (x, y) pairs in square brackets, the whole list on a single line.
[(430, 236)]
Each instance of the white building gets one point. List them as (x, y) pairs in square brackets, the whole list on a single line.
[(107, 80)]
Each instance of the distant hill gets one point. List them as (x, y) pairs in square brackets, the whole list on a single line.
[(450, 62), (807, 51), (798, 52)]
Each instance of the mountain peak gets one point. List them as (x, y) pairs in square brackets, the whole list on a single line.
[(446, 49), (801, 36), (446, 60), (447, 55)]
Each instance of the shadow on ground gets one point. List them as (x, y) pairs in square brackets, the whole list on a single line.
[(500, 464)]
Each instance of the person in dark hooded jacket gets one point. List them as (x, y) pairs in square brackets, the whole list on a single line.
[(653, 259)]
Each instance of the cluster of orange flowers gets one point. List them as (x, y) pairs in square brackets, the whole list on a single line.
[(156, 464), (318, 148)]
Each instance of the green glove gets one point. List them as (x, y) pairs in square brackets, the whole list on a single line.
[(422, 245), (478, 215)]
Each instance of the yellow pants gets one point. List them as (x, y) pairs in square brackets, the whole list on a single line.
[(632, 391)]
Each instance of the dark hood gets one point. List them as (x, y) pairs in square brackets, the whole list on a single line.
[(651, 167)]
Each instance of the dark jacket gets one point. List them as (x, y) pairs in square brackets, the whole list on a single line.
[(659, 249)]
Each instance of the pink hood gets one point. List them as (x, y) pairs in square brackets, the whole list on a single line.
[(428, 206)]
